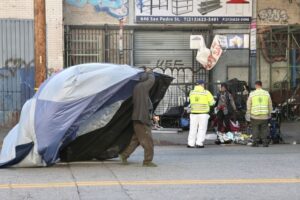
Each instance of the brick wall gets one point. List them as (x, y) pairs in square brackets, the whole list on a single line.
[(54, 16), (16, 9)]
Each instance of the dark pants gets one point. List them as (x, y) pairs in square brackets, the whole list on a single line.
[(142, 136), (260, 130), (223, 121)]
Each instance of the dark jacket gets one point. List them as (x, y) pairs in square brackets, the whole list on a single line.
[(225, 102), (141, 101)]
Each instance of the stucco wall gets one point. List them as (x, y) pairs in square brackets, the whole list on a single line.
[(275, 12)]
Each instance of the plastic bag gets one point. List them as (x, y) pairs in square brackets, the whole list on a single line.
[(202, 56)]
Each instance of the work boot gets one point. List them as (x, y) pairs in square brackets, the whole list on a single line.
[(265, 145), (150, 164), (255, 144), (188, 146), (123, 159)]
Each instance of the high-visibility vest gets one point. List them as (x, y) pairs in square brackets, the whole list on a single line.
[(199, 101), (260, 102)]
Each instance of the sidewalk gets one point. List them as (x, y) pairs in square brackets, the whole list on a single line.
[(290, 133)]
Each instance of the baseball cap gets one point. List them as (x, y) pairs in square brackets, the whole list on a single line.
[(200, 82)]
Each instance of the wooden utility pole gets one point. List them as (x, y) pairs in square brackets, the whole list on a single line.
[(39, 41)]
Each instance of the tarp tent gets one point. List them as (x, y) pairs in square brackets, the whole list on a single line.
[(81, 113)]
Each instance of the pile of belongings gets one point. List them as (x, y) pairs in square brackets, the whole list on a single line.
[(233, 138), (234, 135), (81, 113)]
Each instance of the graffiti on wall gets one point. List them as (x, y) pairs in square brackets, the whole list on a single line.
[(12, 65), (273, 15), (16, 86), (19, 71), (115, 8)]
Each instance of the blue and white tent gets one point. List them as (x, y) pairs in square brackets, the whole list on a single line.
[(81, 113)]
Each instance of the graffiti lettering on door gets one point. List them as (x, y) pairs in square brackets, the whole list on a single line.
[(169, 63)]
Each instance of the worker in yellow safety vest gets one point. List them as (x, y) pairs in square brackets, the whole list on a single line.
[(200, 102), (259, 109)]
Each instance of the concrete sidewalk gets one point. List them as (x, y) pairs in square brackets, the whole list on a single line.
[(290, 133)]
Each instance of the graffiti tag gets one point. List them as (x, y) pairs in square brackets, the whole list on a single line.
[(12, 65), (115, 8), (169, 63), (273, 15)]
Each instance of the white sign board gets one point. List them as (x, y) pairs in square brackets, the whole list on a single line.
[(193, 11)]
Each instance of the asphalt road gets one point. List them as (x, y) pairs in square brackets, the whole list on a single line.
[(216, 172)]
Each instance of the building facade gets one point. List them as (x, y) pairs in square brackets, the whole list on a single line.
[(278, 43), (157, 34), (17, 53)]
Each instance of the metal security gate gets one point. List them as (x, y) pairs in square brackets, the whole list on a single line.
[(169, 52), (96, 44), (16, 68)]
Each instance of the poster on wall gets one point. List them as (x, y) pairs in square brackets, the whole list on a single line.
[(193, 11), (238, 41)]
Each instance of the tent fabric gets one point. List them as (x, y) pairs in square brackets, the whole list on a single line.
[(107, 142), (81, 113)]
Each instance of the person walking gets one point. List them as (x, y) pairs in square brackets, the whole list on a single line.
[(259, 109), (141, 116), (225, 106), (200, 101)]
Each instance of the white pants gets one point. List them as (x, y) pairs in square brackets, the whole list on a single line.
[(198, 128)]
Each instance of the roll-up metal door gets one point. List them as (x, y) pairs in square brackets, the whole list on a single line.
[(169, 52), (16, 68)]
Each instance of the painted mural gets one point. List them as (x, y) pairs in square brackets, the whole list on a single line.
[(115, 8)]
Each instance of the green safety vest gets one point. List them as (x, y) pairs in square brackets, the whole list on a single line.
[(260, 102), (199, 101)]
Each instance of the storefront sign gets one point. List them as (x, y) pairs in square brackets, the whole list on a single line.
[(193, 11)]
